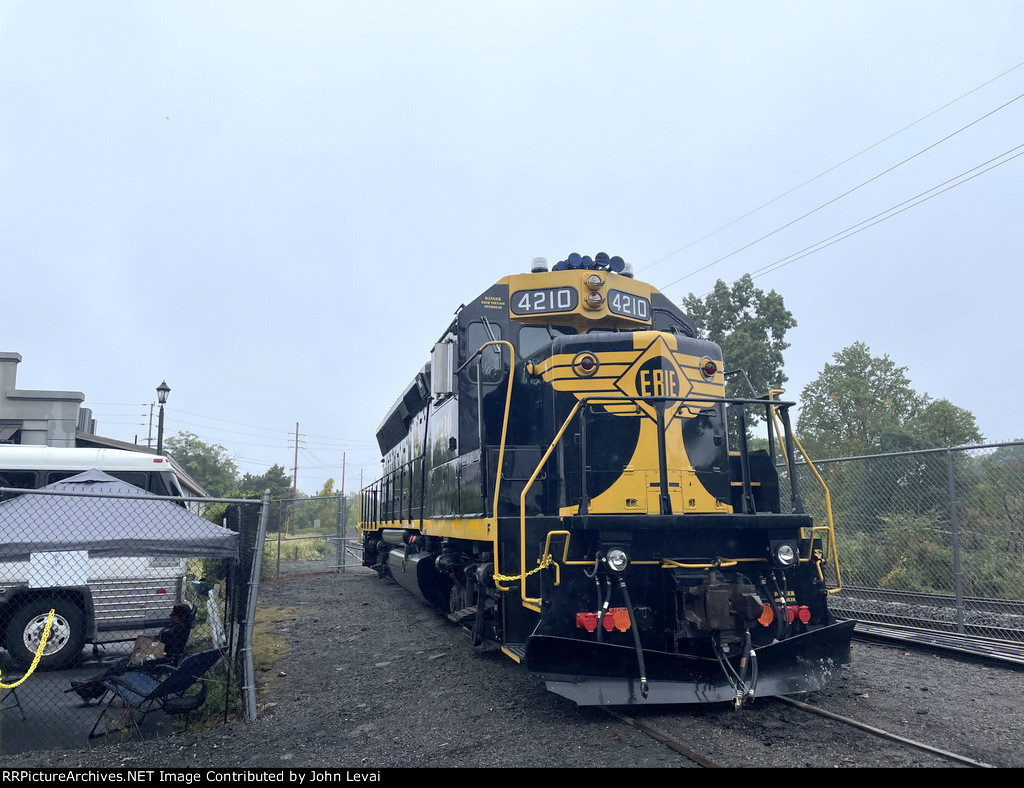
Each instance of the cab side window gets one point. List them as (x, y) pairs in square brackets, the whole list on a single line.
[(489, 360)]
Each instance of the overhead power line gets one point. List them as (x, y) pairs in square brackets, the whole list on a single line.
[(846, 193), (833, 167), (895, 210)]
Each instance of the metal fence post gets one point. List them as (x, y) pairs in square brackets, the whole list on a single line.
[(254, 584), (954, 529), (339, 560), (280, 528)]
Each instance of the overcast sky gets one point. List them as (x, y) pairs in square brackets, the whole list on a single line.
[(277, 207)]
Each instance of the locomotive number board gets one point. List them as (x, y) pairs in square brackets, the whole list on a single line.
[(629, 305), (544, 300)]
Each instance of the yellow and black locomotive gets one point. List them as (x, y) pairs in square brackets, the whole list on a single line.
[(559, 477)]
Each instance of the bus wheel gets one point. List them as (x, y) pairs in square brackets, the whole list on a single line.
[(67, 633)]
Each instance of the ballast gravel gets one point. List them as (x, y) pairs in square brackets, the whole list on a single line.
[(374, 679)]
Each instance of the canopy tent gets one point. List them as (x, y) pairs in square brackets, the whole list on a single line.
[(134, 524)]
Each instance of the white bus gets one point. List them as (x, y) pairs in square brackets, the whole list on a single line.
[(97, 600)]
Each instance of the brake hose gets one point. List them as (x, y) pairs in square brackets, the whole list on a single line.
[(644, 687)]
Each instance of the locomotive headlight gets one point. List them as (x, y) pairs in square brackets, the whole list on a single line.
[(595, 282), (784, 553), (593, 301), (617, 559)]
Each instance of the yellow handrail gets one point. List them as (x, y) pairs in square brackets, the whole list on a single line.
[(534, 604), (493, 520), (831, 549)]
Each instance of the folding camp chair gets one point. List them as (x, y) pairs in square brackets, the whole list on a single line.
[(11, 693), (146, 691), (95, 689)]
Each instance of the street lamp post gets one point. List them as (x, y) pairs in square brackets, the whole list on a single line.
[(161, 395)]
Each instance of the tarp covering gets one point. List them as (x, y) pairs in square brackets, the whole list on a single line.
[(137, 524)]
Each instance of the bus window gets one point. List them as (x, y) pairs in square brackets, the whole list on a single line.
[(137, 478), (23, 479), (59, 476)]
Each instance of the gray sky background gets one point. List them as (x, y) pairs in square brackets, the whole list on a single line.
[(278, 206)]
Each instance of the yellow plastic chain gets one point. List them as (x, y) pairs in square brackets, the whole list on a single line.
[(39, 654), (544, 564)]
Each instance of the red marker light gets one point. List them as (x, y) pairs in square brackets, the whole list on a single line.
[(709, 369)]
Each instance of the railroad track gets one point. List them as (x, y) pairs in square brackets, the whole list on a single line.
[(700, 759), (947, 755), (1007, 653), (985, 648), (667, 739), (968, 617), (922, 599)]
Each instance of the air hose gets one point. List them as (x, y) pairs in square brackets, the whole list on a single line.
[(644, 687)]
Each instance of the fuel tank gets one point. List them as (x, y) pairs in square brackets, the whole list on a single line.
[(416, 573)]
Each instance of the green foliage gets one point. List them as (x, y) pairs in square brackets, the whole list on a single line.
[(750, 326), (992, 524), (940, 424), (208, 464), (894, 520), (864, 404), (275, 479), (856, 404)]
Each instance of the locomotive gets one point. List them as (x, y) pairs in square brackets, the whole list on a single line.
[(560, 479)]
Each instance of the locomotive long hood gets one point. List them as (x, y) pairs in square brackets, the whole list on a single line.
[(603, 674)]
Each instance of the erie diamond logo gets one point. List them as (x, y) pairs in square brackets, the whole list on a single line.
[(654, 374)]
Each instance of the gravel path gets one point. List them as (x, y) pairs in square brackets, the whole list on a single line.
[(374, 679)]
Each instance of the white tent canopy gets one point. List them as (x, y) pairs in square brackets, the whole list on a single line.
[(137, 524)]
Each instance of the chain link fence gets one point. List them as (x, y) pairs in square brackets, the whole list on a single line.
[(139, 586), (312, 534), (930, 539)]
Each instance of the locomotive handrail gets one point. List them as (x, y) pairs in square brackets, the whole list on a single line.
[(829, 529), (533, 603), (493, 519)]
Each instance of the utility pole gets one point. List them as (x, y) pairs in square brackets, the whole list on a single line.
[(295, 469), (344, 504), (342, 519), (295, 481)]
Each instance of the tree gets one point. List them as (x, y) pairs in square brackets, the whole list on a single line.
[(750, 326), (864, 404), (857, 405), (940, 423), (275, 480), (208, 464)]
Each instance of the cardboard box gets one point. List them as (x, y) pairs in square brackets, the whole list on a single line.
[(146, 648)]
